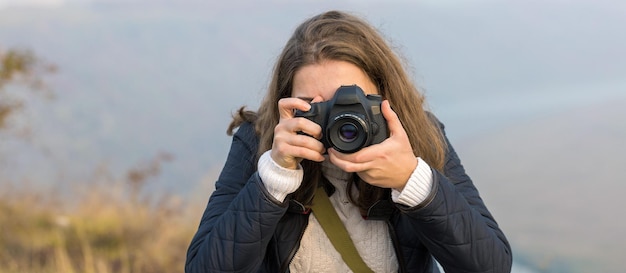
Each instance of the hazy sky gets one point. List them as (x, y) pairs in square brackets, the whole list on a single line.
[(31, 3)]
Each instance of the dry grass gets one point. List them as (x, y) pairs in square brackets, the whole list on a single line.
[(105, 226)]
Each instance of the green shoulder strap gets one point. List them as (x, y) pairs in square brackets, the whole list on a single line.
[(335, 230)]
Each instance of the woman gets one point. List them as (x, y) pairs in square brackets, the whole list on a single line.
[(403, 201)]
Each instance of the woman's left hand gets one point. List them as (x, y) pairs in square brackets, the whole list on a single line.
[(388, 164)]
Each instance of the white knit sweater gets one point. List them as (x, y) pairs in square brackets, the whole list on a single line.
[(371, 238)]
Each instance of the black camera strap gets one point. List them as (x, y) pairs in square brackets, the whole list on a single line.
[(335, 230)]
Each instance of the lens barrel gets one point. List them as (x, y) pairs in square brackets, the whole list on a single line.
[(347, 132)]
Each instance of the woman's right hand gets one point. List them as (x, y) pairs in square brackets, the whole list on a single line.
[(289, 147)]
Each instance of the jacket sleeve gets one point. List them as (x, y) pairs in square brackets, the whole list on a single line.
[(456, 226), (240, 217)]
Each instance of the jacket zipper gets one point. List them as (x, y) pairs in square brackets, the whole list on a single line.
[(396, 247), (285, 266)]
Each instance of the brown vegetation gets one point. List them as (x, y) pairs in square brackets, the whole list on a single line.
[(105, 225), (97, 226)]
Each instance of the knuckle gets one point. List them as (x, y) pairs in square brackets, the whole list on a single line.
[(283, 102), (282, 150), (279, 127), (300, 122)]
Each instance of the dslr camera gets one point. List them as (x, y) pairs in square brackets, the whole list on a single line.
[(350, 121)]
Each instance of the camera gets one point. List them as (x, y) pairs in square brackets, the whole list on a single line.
[(350, 120)]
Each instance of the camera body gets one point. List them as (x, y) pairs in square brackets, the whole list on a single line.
[(350, 121)]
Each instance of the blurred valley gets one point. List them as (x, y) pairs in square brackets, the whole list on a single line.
[(533, 95)]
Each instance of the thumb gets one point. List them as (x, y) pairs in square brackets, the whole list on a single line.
[(393, 122)]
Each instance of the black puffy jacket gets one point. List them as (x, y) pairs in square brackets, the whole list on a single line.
[(244, 229)]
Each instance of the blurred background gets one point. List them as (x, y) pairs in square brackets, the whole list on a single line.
[(113, 118)]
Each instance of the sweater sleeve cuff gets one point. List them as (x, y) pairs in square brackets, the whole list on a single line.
[(278, 181), (418, 186)]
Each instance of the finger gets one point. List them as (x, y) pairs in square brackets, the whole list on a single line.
[(286, 106), (288, 155), (310, 128), (288, 152), (393, 122), (348, 162), (366, 154), (305, 153), (299, 125), (285, 134), (307, 142), (317, 99)]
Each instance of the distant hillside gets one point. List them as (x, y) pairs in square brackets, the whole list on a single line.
[(556, 185)]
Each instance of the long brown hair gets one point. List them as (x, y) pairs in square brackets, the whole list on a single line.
[(340, 36)]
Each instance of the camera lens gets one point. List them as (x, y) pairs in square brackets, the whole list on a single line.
[(348, 132)]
